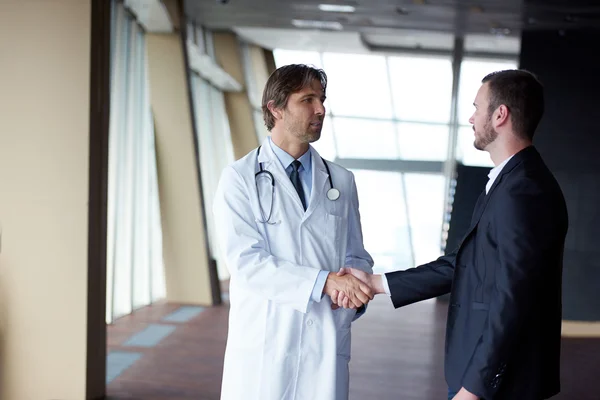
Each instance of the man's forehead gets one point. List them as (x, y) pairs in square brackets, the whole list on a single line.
[(313, 88), (482, 92)]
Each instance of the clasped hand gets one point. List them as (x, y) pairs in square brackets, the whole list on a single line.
[(349, 288)]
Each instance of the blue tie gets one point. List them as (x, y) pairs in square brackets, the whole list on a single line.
[(295, 178)]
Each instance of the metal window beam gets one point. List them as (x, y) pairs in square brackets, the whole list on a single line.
[(434, 52), (408, 166)]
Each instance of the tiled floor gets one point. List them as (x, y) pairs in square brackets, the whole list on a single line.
[(396, 355)]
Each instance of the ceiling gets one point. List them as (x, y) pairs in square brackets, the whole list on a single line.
[(373, 23)]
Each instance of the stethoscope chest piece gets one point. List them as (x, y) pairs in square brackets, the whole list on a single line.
[(333, 194)]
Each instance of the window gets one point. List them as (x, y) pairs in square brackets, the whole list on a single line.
[(422, 141), (397, 108), (385, 224), (357, 85), (389, 108), (422, 88), (365, 138)]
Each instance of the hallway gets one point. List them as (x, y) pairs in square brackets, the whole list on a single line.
[(396, 354)]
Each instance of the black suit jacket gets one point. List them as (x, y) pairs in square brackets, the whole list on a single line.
[(504, 318)]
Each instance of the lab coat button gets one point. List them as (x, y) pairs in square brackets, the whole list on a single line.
[(309, 322)]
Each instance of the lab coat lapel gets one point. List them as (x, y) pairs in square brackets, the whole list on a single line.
[(272, 164), (319, 181)]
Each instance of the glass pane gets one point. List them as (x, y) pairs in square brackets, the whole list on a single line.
[(325, 146), (422, 88), (466, 151), (425, 199), (472, 71), (285, 57), (365, 138), (383, 218), (423, 141), (350, 93)]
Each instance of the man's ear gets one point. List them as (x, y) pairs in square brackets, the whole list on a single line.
[(277, 112), (501, 115)]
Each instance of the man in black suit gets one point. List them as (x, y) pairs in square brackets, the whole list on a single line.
[(504, 318)]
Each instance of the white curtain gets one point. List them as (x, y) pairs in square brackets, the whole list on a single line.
[(215, 151), (135, 271)]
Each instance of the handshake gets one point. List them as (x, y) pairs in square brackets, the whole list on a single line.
[(352, 288)]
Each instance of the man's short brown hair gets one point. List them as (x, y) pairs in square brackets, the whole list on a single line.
[(285, 81), (523, 95)]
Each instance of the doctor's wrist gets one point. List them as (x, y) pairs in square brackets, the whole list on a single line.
[(376, 283)]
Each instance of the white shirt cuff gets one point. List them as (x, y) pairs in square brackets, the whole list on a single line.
[(317, 292), (386, 286)]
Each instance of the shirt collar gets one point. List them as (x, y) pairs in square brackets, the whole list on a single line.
[(498, 168), (286, 160)]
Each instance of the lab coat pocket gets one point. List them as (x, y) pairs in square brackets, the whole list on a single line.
[(332, 236), (321, 243)]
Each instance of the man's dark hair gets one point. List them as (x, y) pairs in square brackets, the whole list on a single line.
[(285, 81), (522, 93)]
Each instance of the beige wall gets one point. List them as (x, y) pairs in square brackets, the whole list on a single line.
[(581, 329), (239, 110), (184, 241), (260, 69), (44, 136)]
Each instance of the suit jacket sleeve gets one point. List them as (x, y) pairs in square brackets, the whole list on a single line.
[(524, 223), (421, 283)]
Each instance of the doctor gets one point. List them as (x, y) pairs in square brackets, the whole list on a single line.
[(288, 221)]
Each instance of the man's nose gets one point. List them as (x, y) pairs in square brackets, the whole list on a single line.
[(319, 108)]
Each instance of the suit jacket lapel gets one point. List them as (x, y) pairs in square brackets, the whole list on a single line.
[(484, 199)]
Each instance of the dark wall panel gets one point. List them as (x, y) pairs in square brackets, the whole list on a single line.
[(569, 140), (470, 182)]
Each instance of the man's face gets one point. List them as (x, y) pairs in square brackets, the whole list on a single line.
[(304, 113), (485, 134)]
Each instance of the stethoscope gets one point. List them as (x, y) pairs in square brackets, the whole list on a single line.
[(332, 194)]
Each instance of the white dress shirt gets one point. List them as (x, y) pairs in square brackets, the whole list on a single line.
[(494, 173)]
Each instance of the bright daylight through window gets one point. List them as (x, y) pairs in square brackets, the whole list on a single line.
[(383, 110)]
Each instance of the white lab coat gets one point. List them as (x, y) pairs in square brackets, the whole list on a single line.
[(281, 345)]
